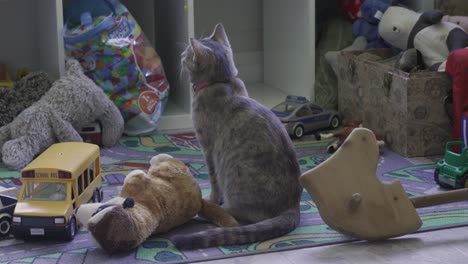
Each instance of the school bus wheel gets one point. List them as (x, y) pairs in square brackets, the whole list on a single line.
[(97, 195), (71, 230)]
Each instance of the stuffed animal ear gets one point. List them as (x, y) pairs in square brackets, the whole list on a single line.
[(135, 176), (432, 16), (159, 158), (72, 66), (134, 173), (128, 203)]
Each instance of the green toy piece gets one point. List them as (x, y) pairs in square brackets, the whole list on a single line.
[(452, 170)]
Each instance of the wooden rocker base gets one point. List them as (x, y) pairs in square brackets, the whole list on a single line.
[(352, 200)]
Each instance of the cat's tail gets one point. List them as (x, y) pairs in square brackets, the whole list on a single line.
[(223, 236)]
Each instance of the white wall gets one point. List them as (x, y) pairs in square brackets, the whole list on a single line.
[(243, 21), (50, 40), (289, 41), (19, 31)]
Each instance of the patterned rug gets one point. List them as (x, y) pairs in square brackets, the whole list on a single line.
[(135, 152)]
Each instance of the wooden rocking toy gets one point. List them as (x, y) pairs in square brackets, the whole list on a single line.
[(352, 200)]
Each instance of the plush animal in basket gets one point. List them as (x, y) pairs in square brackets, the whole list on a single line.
[(433, 38), (72, 102), (23, 94), (149, 203)]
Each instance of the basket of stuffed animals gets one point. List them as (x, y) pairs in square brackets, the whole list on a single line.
[(406, 107)]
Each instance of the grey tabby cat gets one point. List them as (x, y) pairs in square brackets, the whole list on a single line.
[(252, 165)]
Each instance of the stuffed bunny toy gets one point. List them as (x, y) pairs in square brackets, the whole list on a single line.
[(72, 102)]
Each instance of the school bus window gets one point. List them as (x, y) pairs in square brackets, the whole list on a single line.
[(73, 197), (91, 172), (45, 191), (80, 184), (90, 169), (97, 168), (86, 178)]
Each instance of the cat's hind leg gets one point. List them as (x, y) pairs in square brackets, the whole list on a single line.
[(216, 214), (216, 195), (245, 212)]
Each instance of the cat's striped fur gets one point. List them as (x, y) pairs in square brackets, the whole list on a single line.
[(252, 164)]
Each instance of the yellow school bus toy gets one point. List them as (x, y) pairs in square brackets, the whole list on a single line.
[(55, 184)]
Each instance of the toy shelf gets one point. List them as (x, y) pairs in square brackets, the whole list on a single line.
[(271, 60), (31, 35), (273, 42)]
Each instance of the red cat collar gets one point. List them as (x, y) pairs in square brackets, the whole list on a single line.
[(200, 85)]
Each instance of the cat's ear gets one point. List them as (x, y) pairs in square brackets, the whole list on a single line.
[(198, 49), (219, 34)]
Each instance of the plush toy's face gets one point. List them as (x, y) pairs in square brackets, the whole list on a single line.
[(114, 227), (112, 224), (396, 25)]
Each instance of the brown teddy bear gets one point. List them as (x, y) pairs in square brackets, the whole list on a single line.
[(149, 203)]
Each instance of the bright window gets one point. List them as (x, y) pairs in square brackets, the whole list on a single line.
[(45, 191)]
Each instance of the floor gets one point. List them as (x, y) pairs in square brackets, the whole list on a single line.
[(449, 246)]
